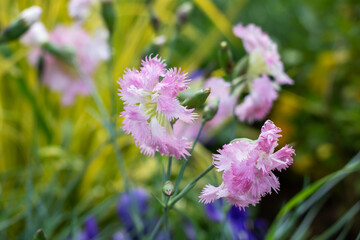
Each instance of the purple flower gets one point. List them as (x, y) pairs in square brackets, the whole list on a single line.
[(135, 201), (236, 218), (248, 168), (214, 210), (90, 231), (91, 228), (150, 102), (121, 235)]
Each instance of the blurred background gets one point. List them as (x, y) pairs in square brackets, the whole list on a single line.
[(62, 171)]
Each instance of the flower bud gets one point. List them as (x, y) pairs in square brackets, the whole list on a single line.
[(168, 188), (31, 15), (108, 14), (64, 53), (35, 36), (155, 21), (183, 13), (225, 58), (210, 110), (39, 235), (198, 99), (240, 67), (19, 26)]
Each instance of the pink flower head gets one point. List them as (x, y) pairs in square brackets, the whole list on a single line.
[(150, 102), (258, 43), (258, 103), (247, 168), (62, 77)]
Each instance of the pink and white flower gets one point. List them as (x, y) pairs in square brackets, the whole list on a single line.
[(258, 103), (247, 168), (150, 102), (58, 75), (264, 56)]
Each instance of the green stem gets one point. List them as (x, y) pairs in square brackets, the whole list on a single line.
[(156, 228), (185, 162), (189, 187), (169, 169), (172, 46), (108, 125), (167, 229)]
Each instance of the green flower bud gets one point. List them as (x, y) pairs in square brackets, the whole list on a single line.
[(168, 188), (66, 54), (108, 14), (198, 99), (19, 26), (155, 21), (210, 110), (225, 58), (240, 67), (39, 235), (183, 13)]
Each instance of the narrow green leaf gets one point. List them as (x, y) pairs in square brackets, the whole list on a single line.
[(340, 223)]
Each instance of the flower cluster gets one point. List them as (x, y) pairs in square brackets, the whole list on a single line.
[(151, 105), (248, 168), (264, 61), (260, 48)]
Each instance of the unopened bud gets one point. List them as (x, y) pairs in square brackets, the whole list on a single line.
[(31, 15), (36, 35), (64, 53), (183, 13), (108, 14), (168, 188), (159, 40), (225, 58), (155, 21), (198, 99), (39, 235), (210, 110), (19, 26), (240, 67)]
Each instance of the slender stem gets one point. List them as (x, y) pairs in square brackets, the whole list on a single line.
[(189, 187), (110, 71), (156, 228), (185, 162), (172, 45), (169, 169), (109, 126), (167, 229)]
